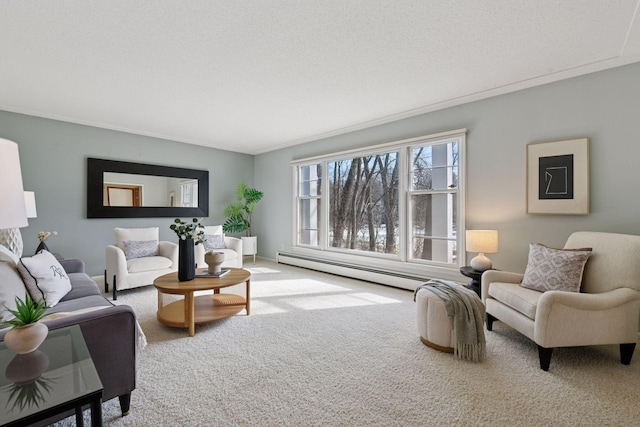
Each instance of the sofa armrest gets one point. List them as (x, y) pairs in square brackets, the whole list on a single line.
[(233, 243), (169, 250), (72, 265), (490, 276), (616, 312), (116, 263)]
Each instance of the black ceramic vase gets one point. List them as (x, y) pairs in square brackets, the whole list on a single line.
[(186, 260), (42, 246)]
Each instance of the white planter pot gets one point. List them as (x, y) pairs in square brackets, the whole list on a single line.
[(26, 339), (249, 245)]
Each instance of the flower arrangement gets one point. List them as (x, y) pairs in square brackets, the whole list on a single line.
[(43, 235), (186, 230)]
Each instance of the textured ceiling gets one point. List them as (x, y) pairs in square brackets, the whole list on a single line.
[(255, 75)]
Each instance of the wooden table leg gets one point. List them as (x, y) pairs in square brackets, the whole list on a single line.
[(189, 313), (248, 297)]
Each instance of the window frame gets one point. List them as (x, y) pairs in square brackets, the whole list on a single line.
[(403, 258)]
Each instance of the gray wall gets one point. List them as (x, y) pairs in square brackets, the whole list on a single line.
[(604, 106), (53, 158)]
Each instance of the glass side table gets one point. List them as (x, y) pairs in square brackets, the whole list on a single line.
[(55, 378)]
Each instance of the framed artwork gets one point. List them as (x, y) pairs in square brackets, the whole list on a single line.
[(558, 177)]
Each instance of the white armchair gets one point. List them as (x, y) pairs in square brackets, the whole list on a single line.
[(606, 309), (232, 248), (138, 258)]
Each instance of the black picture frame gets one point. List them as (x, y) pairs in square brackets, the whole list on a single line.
[(95, 208)]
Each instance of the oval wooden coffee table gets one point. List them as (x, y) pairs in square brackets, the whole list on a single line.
[(185, 313)]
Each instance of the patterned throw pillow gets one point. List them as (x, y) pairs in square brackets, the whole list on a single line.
[(551, 269), (44, 278), (139, 249), (213, 241)]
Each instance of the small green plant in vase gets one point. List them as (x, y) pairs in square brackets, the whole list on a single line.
[(188, 230), (28, 332)]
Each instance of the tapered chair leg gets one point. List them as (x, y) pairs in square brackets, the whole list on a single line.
[(626, 353), (106, 285), (545, 357), (490, 320), (115, 291)]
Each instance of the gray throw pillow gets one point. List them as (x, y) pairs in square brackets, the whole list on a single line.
[(140, 249), (213, 241), (550, 269)]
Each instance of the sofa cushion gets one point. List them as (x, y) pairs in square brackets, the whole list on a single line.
[(11, 286), (80, 304), (550, 269), (81, 286), (44, 278), (520, 299), (138, 265), (140, 248)]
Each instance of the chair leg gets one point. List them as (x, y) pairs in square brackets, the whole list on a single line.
[(545, 357), (106, 285), (125, 403), (490, 320), (626, 353), (115, 292)]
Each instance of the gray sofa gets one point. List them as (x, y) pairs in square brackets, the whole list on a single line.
[(110, 333)]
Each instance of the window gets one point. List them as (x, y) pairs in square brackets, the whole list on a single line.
[(433, 202), (399, 201), (363, 203), (189, 193), (309, 182)]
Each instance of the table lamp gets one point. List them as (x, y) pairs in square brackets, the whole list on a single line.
[(13, 215), (483, 242)]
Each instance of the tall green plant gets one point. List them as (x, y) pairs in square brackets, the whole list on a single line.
[(239, 213)]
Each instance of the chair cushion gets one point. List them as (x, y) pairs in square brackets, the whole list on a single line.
[(520, 299), (44, 278), (213, 229), (550, 269), (138, 249), (138, 265), (135, 234)]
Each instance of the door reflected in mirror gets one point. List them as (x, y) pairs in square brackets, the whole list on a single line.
[(121, 189)]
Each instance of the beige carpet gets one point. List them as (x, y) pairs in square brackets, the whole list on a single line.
[(321, 350)]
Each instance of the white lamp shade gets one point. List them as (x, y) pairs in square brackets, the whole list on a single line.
[(30, 204), (13, 213), (482, 241)]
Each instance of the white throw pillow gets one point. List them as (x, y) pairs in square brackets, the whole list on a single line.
[(44, 278)]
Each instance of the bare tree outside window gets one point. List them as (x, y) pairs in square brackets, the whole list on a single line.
[(363, 198)]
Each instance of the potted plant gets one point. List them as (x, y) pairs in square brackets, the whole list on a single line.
[(28, 332), (188, 233), (239, 216)]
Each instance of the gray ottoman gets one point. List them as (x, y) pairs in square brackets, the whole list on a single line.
[(434, 326)]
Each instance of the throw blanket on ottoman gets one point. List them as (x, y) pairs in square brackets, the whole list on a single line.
[(467, 311)]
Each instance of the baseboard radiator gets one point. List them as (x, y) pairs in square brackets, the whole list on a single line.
[(384, 277)]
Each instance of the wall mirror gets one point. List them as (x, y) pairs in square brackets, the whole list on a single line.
[(136, 190)]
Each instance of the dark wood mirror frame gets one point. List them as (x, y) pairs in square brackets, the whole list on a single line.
[(95, 172)]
